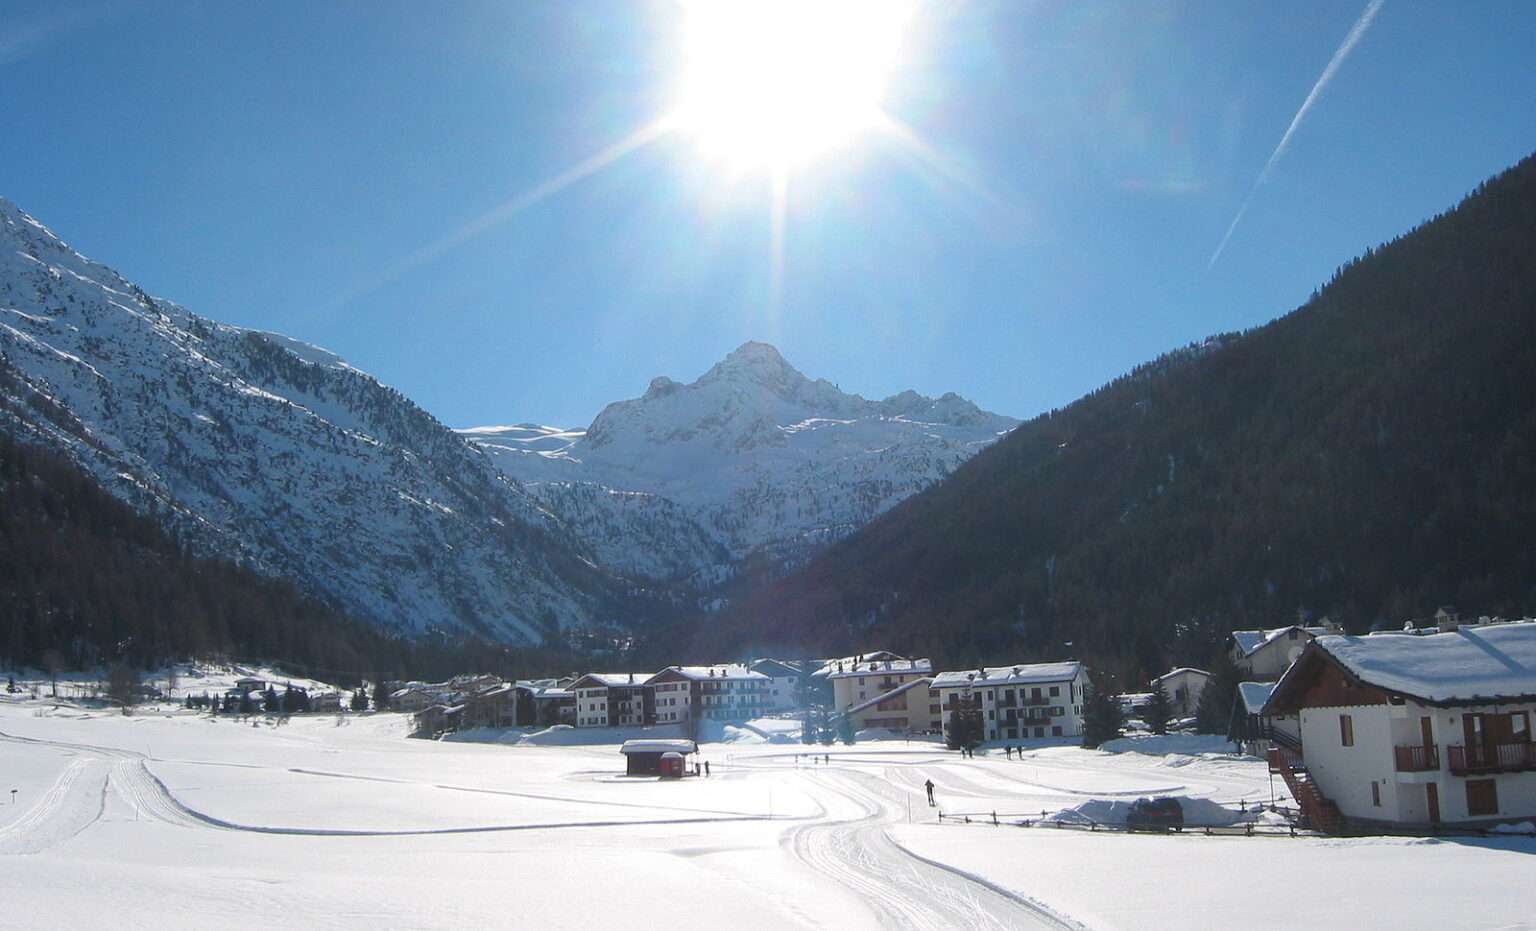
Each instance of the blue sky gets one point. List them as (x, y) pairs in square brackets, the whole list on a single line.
[(277, 165)]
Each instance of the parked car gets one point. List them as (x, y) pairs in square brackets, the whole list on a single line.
[(1155, 814)]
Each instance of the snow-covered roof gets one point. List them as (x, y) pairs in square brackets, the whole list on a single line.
[(713, 673), (777, 666), (1253, 695), (610, 679), (1022, 674), (925, 682), (880, 667), (658, 745), (1182, 671), (829, 666), (1249, 641), (1480, 664)]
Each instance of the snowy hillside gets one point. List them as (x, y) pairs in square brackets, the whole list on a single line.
[(754, 456), (276, 453)]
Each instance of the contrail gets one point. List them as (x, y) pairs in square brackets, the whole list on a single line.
[(502, 212), (1356, 33)]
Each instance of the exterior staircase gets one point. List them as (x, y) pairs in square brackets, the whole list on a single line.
[(1317, 810)]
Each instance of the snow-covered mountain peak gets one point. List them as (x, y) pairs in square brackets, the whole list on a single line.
[(753, 455)]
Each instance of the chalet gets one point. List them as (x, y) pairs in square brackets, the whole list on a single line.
[(729, 692), (613, 699), (250, 684), (1412, 730), (1265, 655), (1016, 702), (491, 706), (910, 708), (1252, 729), (657, 757), (544, 703), (854, 683), (414, 697), (785, 690), (1183, 686), (324, 702)]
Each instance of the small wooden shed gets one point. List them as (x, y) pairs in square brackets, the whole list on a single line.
[(644, 755)]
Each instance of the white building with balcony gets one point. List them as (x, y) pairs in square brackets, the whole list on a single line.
[(1030, 700), (1413, 730), (728, 692), (612, 699)]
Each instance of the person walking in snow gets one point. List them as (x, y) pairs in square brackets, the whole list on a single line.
[(929, 786)]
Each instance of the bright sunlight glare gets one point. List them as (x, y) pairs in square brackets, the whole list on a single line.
[(772, 83)]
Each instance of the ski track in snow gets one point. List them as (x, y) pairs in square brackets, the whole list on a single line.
[(905, 891)]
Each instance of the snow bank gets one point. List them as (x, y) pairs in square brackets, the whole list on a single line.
[(1198, 812), (1523, 827), (1164, 744)]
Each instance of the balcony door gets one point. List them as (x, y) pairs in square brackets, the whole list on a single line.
[(1432, 796), (1426, 732)]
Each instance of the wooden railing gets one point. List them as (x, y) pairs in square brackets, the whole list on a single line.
[(1497, 758), (1417, 759)]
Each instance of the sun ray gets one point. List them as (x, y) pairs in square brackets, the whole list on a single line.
[(504, 211)]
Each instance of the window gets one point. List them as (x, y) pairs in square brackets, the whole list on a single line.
[(1055, 732), (1346, 730), (1039, 732), (1482, 797), (1376, 794), (1055, 691), (934, 709)]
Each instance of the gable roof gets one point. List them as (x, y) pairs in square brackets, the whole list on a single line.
[(776, 668), (1468, 666), (884, 667), (1182, 670), (1253, 695), (725, 671), (1022, 674), (609, 680), (1249, 641), (658, 745), (829, 666)]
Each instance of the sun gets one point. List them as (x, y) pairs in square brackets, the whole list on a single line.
[(774, 83)]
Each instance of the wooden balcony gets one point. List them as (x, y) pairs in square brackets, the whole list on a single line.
[(1417, 759), (1478, 760)]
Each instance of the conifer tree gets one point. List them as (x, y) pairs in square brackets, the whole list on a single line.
[(1102, 720), (1214, 711), (1159, 710), (845, 730)]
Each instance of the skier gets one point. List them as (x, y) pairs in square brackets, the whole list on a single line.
[(929, 786), (706, 767), (1009, 750)]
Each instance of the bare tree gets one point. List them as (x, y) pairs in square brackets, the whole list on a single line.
[(53, 664), (123, 685)]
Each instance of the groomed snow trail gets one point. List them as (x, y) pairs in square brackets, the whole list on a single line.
[(904, 891), (73, 803)]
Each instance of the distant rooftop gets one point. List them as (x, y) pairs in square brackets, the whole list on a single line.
[(1021, 674)]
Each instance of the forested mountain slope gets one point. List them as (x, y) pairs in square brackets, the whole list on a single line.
[(1368, 456)]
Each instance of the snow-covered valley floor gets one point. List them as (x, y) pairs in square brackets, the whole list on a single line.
[(174, 820)]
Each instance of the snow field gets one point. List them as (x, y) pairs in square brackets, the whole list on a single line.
[(175, 820)]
